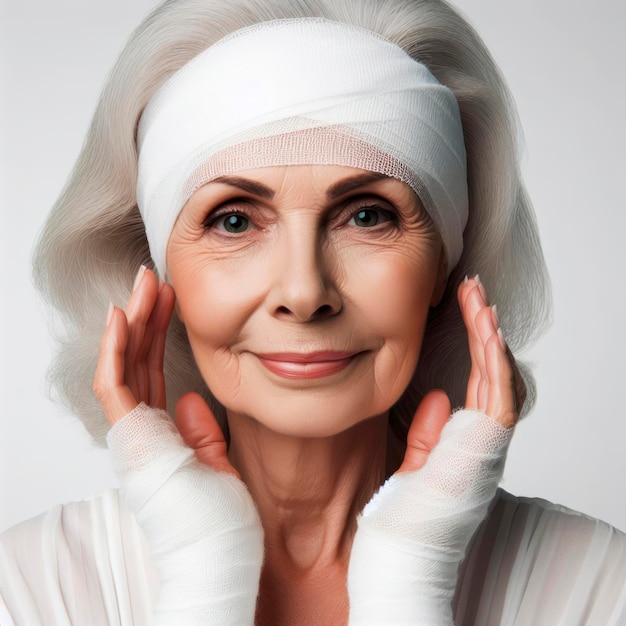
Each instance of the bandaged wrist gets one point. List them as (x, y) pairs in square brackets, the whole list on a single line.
[(202, 525), (414, 533)]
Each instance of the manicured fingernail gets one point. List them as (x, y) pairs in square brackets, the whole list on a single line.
[(501, 338), (110, 313), (494, 316), (139, 276), (481, 288), (465, 280)]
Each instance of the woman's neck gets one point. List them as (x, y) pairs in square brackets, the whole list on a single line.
[(308, 493)]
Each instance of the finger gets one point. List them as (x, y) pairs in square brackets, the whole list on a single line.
[(495, 382), (501, 403), (486, 329), (471, 302), (519, 385), (109, 384), (159, 320), (138, 312), (199, 429), (430, 418)]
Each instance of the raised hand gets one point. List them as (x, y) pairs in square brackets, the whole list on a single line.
[(130, 365), (414, 533), (198, 517), (130, 370), (495, 386), (494, 381)]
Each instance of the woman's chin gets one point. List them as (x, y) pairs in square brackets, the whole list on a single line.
[(299, 417), (314, 398)]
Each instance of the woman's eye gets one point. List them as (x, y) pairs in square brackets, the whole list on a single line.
[(233, 223), (366, 218)]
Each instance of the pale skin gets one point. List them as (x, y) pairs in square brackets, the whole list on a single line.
[(339, 268)]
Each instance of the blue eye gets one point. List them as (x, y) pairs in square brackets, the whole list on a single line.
[(366, 218), (233, 223)]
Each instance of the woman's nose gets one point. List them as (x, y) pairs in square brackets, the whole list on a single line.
[(304, 287)]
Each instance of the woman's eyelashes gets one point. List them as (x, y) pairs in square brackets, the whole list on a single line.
[(370, 216), (237, 218), (232, 219)]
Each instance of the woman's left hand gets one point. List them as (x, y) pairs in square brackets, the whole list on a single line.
[(414, 533), (495, 385)]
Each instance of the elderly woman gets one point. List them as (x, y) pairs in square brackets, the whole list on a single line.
[(305, 188)]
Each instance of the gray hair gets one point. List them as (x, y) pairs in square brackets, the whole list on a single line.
[(94, 241)]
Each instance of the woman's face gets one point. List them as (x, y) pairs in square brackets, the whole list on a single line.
[(305, 291)]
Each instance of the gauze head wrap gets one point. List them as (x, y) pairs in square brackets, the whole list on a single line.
[(301, 91)]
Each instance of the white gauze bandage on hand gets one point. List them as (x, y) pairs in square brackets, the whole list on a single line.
[(413, 534), (202, 525)]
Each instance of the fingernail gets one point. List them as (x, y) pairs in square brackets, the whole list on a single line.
[(140, 274), (501, 338), (481, 288), (494, 316), (465, 280), (110, 313)]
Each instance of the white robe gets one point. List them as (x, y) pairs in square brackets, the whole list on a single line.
[(531, 563)]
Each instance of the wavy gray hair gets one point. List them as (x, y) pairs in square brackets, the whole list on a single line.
[(94, 240)]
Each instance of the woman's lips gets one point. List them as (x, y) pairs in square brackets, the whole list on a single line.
[(311, 365)]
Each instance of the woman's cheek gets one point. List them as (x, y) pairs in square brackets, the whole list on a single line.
[(216, 303), (215, 306), (392, 289)]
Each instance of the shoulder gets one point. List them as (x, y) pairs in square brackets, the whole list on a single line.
[(81, 563), (534, 562)]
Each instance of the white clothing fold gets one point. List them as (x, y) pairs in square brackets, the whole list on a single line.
[(531, 563)]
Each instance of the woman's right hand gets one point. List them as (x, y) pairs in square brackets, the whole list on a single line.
[(198, 517), (130, 370), (130, 363)]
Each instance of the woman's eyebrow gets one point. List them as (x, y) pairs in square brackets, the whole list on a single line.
[(334, 191), (353, 182), (251, 186)]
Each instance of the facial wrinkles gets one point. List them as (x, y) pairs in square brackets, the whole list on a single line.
[(401, 349), (411, 259), (205, 297), (231, 290)]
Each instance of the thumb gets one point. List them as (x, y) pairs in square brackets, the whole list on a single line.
[(201, 432), (428, 422)]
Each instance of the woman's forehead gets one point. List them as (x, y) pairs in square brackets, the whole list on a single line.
[(329, 183), (340, 177), (395, 118)]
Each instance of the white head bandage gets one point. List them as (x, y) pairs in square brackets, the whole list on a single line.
[(301, 91)]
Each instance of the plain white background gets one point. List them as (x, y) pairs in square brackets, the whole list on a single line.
[(564, 61)]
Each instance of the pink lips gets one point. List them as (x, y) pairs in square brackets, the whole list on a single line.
[(311, 365)]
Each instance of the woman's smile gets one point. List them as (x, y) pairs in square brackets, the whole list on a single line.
[(295, 366), (337, 265)]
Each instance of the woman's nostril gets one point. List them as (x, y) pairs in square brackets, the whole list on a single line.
[(324, 311)]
